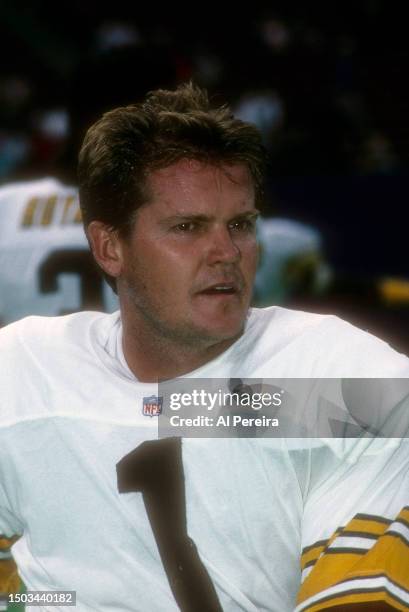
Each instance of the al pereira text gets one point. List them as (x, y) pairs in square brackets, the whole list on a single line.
[(228, 420)]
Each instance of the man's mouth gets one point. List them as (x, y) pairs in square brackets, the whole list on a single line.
[(221, 289)]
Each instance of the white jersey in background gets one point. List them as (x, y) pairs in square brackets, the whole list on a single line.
[(45, 264), (71, 411), (291, 263)]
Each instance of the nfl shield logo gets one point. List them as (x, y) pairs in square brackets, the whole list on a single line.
[(152, 406)]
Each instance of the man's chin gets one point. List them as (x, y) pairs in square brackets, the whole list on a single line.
[(215, 332)]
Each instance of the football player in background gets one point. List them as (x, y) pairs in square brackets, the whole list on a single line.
[(170, 191), (291, 262), (46, 266), (40, 221)]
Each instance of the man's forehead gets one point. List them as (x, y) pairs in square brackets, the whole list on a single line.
[(189, 175)]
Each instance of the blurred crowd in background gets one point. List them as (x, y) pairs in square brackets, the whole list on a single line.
[(324, 82)]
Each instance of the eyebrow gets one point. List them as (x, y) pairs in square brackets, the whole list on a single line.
[(251, 214)]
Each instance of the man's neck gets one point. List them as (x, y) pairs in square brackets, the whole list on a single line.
[(153, 358)]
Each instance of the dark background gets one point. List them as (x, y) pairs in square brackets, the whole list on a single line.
[(335, 74)]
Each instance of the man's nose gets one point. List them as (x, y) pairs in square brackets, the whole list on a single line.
[(222, 247)]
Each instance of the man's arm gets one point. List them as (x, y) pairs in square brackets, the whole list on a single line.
[(9, 579)]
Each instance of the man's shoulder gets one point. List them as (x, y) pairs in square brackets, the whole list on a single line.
[(295, 324), (331, 345), (44, 361), (278, 314), (326, 327), (35, 335), (20, 193)]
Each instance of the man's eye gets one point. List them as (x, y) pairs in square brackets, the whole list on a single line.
[(187, 226), (246, 225)]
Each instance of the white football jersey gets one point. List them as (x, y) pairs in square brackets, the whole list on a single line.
[(80, 467), (291, 260), (45, 264)]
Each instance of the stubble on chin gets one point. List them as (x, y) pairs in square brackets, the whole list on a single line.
[(188, 335), (150, 323)]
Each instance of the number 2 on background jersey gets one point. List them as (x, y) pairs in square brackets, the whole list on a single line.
[(155, 469), (80, 263)]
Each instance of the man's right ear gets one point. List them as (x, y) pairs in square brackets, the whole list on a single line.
[(106, 247)]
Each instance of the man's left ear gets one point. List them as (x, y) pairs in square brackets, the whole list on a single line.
[(106, 247)]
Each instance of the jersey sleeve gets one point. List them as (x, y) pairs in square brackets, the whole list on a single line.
[(9, 533), (365, 561), (9, 579), (11, 529), (356, 515)]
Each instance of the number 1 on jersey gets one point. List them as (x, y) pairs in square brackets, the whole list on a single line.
[(155, 469)]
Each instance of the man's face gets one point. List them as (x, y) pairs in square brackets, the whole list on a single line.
[(189, 264)]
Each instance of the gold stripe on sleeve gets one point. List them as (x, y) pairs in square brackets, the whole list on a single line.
[(346, 562)]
